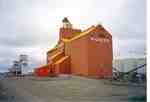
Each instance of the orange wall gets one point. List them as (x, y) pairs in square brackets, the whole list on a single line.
[(64, 66), (77, 50), (90, 57), (100, 56)]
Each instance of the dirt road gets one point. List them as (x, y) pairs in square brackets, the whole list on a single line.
[(67, 89)]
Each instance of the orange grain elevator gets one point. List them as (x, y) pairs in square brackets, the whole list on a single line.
[(86, 53)]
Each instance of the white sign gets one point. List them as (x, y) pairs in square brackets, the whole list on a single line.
[(103, 40)]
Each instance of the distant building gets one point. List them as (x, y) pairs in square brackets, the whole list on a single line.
[(19, 67), (127, 64), (85, 53), (16, 68), (23, 60)]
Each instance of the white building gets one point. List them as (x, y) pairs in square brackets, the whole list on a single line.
[(127, 64)]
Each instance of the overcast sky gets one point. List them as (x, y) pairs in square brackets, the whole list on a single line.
[(32, 26)]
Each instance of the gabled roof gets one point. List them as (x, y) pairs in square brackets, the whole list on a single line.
[(80, 35), (52, 50), (62, 59), (101, 27), (86, 32)]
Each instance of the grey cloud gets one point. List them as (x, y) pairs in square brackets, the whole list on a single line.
[(27, 39), (131, 21), (20, 28)]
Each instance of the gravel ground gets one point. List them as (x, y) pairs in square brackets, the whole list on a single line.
[(68, 89)]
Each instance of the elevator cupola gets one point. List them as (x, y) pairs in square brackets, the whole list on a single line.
[(66, 23)]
